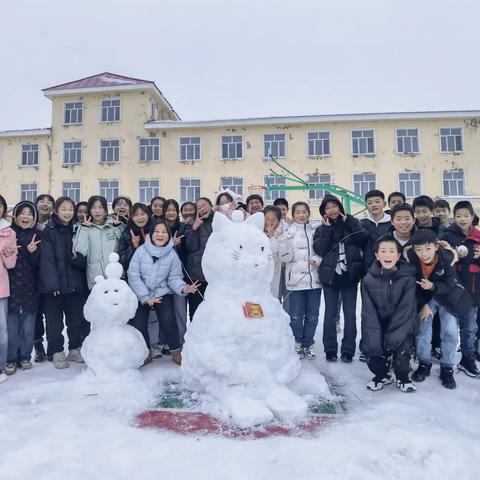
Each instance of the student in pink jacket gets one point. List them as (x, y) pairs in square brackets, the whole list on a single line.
[(8, 258)]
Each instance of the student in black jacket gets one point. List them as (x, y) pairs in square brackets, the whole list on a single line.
[(339, 241), (388, 317), (403, 226)]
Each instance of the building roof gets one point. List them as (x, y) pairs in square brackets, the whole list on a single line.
[(106, 81), (32, 132), (305, 119)]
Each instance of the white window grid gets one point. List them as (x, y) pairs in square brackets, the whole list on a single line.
[(28, 191), (71, 189), (410, 184), (451, 139), (72, 153), (149, 150), (190, 189), (318, 143), (232, 147), (408, 141), (147, 189), (318, 179), (190, 149), (363, 142), (235, 184), (453, 183), (110, 110), (109, 151), (30, 155), (73, 114), (364, 182), (109, 189), (274, 144), (271, 195)]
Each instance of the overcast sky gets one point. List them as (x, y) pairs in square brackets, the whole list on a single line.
[(223, 59)]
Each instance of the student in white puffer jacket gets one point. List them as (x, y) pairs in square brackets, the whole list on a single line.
[(301, 277)]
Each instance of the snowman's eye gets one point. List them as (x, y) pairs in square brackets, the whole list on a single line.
[(241, 246), (105, 292), (116, 290), (262, 249)]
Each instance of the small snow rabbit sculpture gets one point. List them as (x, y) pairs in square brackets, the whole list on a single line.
[(239, 349), (113, 346)]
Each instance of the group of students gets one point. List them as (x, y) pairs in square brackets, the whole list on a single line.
[(418, 269)]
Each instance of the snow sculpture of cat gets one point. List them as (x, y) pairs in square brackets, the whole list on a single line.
[(242, 360), (113, 346)]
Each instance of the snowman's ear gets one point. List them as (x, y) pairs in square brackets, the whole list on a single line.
[(220, 221), (99, 278), (257, 220)]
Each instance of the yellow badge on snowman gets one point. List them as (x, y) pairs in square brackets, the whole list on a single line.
[(252, 310)]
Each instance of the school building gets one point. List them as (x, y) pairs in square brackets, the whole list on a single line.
[(112, 134)]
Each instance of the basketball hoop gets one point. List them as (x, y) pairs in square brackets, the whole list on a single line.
[(257, 190)]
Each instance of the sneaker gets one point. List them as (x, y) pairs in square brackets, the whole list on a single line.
[(156, 350), (11, 368), (347, 357), (446, 376), (468, 366), (363, 358), (3, 377), (377, 383), (299, 350), (331, 356), (60, 361), (25, 364), (74, 355), (422, 372), (437, 353), (166, 350), (308, 353), (339, 328), (40, 355), (406, 387)]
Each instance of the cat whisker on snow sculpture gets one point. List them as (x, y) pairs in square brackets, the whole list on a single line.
[(239, 349)]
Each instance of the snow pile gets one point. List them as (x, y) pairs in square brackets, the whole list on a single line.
[(244, 362), (113, 347)]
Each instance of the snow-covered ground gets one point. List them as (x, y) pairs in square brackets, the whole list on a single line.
[(56, 424)]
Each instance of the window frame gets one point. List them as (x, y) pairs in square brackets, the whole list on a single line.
[(119, 151), (180, 188), (462, 134), (263, 145), (21, 191), (34, 165), (363, 181), (374, 142), (318, 200), (101, 109), (143, 162), (79, 189), (421, 182), (221, 148), (180, 148), (268, 193), (63, 153), (329, 144), (65, 110), (139, 197), (231, 187), (418, 141), (455, 170), (108, 180)]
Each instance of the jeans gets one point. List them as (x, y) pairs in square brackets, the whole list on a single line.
[(349, 304), (180, 306), (21, 330), (283, 292), (304, 309), (468, 332), (448, 336), (3, 333)]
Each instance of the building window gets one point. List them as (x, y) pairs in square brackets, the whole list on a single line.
[(30, 155), (73, 113), (318, 179), (28, 191), (363, 142), (149, 149), (407, 140), (110, 110), (235, 184), (232, 147), (72, 153), (109, 151), (72, 190), (410, 184), (454, 183), (451, 140), (109, 189), (318, 144), (154, 111), (274, 194), (147, 189), (363, 182), (274, 144), (189, 189), (189, 148)]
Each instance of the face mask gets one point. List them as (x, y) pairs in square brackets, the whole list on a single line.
[(225, 207)]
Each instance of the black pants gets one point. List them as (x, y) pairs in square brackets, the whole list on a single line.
[(165, 312), (70, 304), (379, 366), (195, 299)]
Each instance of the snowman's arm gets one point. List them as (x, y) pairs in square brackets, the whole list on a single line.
[(135, 280), (175, 275), (81, 240)]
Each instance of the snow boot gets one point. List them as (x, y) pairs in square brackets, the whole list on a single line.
[(156, 350), (10, 368), (25, 364), (308, 353), (177, 356), (331, 356), (377, 383), (406, 386), (60, 361), (422, 372), (347, 357), (446, 376), (40, 354), (468, 366), (300, 351), (74, 355)]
